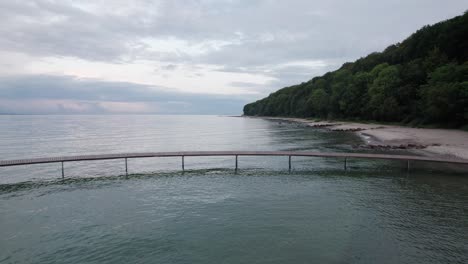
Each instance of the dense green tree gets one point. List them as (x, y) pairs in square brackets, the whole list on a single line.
[(423, 79), (318, 102), (446, 102)]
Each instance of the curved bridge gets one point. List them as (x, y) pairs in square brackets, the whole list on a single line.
[(236, 154)]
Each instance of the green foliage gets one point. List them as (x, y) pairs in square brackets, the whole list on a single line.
[(318, 102), (422, 80)]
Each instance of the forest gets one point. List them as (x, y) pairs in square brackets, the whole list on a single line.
[(421, 81)]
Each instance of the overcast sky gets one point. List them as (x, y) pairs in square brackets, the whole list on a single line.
[(187, 56)]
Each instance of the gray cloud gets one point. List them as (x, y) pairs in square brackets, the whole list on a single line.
[(58, 94), (262, 31), (169, 67), (55, 29), (251, 36), (284, 76)]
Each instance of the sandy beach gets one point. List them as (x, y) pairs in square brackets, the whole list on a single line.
[(425, 141)]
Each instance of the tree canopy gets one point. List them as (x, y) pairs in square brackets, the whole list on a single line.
[(422, 80)]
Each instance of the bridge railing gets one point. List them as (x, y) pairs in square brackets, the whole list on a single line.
[(236, 154)]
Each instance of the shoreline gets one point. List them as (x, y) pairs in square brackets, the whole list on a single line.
[(448, 143)]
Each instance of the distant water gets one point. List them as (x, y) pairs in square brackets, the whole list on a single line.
[(375, 213)]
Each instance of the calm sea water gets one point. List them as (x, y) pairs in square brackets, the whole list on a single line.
[(374, 213)]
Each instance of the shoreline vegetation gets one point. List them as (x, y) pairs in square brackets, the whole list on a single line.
[(422, 81), (449, 143)]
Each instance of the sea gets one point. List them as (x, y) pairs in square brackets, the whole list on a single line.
[(373, 212)]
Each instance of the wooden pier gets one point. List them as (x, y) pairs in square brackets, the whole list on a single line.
[(236, 154)]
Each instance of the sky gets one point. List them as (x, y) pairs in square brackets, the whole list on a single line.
[(187, 56)]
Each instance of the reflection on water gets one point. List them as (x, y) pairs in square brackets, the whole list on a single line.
[(252, 216), (374, 213), (39, 136)]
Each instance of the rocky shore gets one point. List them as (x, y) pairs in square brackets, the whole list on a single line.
[(426, 141)]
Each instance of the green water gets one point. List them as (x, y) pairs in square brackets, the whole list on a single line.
[(373, 213)]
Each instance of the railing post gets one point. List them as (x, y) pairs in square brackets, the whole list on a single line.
[(345, 163), (289, 163), (63, 171), (126, 167), (236, 162), (183, 163)]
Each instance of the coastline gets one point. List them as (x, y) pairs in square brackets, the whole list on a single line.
[(448, 143)]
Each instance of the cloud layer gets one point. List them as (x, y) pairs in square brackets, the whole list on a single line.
[(188, 56), (44, 94)]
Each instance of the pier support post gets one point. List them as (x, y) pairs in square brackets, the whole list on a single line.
[(407, 166), (236, 162), (289, 163), (126, 167), (183, 164), (63, 171), (345, 163)]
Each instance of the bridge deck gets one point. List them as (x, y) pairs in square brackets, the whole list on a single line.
[(18, 162)]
